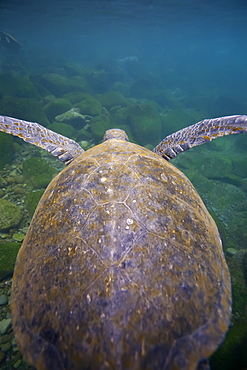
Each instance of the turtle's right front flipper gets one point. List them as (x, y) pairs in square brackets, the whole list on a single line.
[(200, 133), (60, 146)]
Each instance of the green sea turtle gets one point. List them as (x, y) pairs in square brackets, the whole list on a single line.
[(122, 266)]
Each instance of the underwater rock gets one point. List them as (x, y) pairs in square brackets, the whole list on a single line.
[(83, 134), (63, 129), (23, 108), (3, 299), (18, 237), (217, 166), (6, 152), (15, 84), (99, 125), (4, 325), (32, 200), (10, 215), (239, 166), (55, 107), (112, 99), (37, 172), (98, 80), (72, 69), (121, 87), (89, 106), (145, 123), (119, 117), (74, 118), (60, 85), (76, 96)]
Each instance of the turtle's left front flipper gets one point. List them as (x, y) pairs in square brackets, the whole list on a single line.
[(60, 146), (200, 133)]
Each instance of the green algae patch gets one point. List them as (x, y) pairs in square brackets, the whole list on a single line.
[(10, 215), (32, 200), (56, 107), (23, 108), (8, 254), (6, 149), (63, 129), (37, 172), (145, 123)]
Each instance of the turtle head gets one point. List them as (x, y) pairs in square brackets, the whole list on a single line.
[(115, 133)]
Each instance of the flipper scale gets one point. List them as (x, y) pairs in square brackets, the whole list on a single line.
[(60, 146), (200, 133)]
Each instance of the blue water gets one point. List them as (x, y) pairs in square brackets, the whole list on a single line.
[(189, 57), (204, 41)]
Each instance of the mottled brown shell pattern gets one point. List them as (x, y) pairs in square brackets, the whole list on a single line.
[(122, 268)]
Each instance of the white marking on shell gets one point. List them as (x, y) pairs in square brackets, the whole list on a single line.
[(129, 221), (164, 177)]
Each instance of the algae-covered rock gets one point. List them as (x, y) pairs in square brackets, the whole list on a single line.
[(239, 166), (216, 166), (119, 117), (6, 149), (76, 96), (210, 164), (98, 80), (84, 135), (16, 84), (60, 85), (8, 254), (37, 172), (89, 106), (56, 107), (145, 123), (174, 120), (23, 108), (99, 125), (63, 129), (32, 200), (72, 117), (111, 99), (10, 215)]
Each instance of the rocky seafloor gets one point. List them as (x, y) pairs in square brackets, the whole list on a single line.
[(82, 103)]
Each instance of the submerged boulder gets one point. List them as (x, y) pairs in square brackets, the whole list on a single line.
[(63, 129), (55, 107), (8, 254), (90, 106), (6, 149), (10, 215), (37, 172), (60, 85), (23, 108), (145, 123), (74, 118), (111, 99)]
